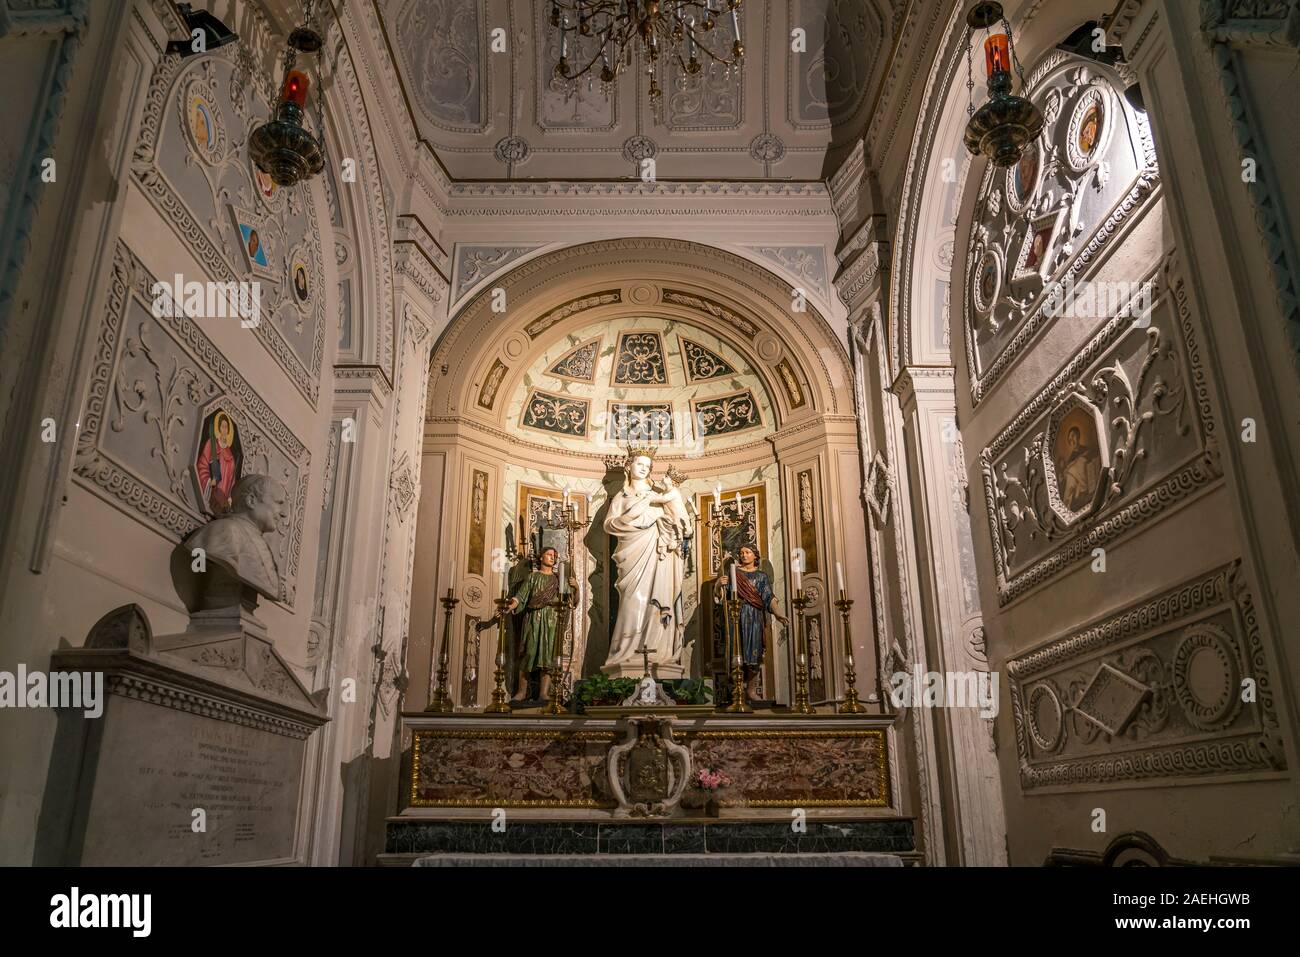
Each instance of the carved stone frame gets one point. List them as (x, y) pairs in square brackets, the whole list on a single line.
[(1045, 266), (1074, 399)]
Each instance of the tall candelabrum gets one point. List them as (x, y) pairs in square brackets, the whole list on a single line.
[(800, 601), (850, 704), (500, 695), (565, 606), (440, 702), (738, 703)]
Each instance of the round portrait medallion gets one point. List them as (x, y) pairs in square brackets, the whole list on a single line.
[(987, 280), (202, 122), (1089, 131)]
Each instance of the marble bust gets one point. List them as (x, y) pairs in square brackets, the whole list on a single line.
[(239, 562)]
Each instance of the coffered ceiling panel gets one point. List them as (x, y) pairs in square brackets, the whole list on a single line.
[(476, 75)]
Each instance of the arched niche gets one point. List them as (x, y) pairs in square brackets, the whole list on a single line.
[(502, 347)]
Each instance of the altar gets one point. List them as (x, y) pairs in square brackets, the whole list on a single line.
[(484, 784)]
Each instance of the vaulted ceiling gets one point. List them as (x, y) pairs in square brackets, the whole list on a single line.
[(499, 115)]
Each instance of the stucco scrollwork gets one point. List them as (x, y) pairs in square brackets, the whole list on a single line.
[(1149, 695), (1114, 438)]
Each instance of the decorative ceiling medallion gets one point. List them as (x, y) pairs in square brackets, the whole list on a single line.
[(725, 414), (1023, 179), (201, 120), (1090, 128), (487, 393), (579, 363), (643, 294), (512, 149), (769, 349), (1038, 249), (767, 148), (514, 346), (1075, 458), (987, 281), (639, 360), (640, 422), (639, 147), (702, 363), (557, 414)]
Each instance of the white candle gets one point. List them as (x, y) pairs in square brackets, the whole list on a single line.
[(451, 581), (733, 579), (560, 571), (566, 496), (717, 497), (505, 584), (738, 506), (839, 575)]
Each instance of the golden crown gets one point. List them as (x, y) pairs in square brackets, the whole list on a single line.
[(636, 451)]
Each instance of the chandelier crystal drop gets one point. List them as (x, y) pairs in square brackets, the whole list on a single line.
[(597, 39), (1006, 124)]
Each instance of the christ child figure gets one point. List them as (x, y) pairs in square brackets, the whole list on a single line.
[(669, 497)]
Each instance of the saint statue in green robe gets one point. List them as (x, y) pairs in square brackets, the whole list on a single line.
[(537, 596)]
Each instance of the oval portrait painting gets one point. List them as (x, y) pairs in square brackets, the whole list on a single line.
[(1076, 456), (1090, 130)]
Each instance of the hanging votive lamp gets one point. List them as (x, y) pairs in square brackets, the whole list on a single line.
[(1006, 124), (283, 148)]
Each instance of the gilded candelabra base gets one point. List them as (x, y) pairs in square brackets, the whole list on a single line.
[(440, 702), (738, 703), (850, 704), (500, 694), (801, 705)]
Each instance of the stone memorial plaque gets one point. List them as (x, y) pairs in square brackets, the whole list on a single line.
[(166, 766)]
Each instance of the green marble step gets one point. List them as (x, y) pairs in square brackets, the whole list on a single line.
[(407, 836)]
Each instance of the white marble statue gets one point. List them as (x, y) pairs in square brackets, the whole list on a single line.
[(649, 524), (239, 563)]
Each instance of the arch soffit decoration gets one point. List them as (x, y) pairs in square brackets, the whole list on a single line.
[(477, 337), (363, 207), (919, 215)]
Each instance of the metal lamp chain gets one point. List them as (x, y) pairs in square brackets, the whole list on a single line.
[(970, 80)]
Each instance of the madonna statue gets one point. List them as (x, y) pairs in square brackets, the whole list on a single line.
[(650, 523)]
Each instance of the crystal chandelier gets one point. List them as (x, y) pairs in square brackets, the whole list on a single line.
[(1006, 124), (663, 30)]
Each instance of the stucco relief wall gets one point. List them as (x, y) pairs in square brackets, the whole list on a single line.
[(1109, 563)]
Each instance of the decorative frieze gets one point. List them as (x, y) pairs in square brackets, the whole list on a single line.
[(1150, 695)]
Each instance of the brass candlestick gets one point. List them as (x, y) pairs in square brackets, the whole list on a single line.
[(440, 701), (851, 704), (557, 673), (801, 702), (500, 696), (738, 703)]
